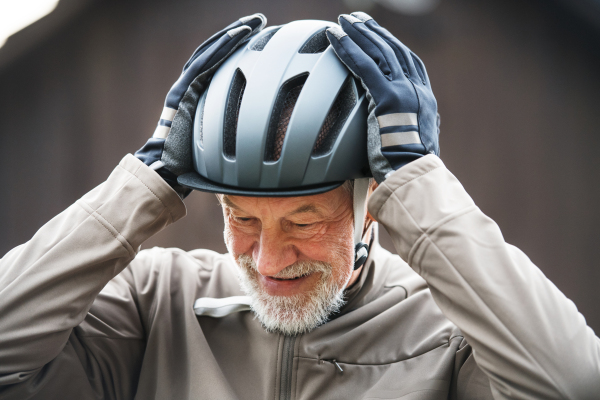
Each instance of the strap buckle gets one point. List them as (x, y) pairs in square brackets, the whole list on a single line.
[(361, 252)]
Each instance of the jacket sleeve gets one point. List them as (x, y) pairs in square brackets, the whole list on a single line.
[(48, 285), (526, 336)]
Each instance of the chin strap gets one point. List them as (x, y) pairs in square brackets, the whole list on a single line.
[(361, 249)]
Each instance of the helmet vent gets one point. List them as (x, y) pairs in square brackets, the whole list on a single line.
[(336, 118), (281, 115), (232, 113), (263, 40), (316, 44)]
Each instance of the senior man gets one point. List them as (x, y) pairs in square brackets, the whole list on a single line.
[(275, 124)]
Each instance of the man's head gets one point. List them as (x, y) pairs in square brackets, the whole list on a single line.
[(282, 124), (295, 255)]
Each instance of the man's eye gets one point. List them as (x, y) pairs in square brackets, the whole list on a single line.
[(243, 219), (303, 225)]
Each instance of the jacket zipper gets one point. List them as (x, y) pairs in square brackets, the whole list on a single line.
[(287, 363), (334, 362)]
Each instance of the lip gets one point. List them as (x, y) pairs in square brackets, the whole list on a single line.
[(288, 287)]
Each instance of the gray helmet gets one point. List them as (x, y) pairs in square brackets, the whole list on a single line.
[(282, 117)]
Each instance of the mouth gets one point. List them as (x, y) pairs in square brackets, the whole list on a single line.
[(290, 279), (289, 286)]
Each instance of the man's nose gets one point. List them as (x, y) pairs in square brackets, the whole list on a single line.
[(273, 253)]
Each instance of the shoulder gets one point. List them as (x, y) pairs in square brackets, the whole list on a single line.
[(161, 260), (163, 281), (393, 271), (411, 302), (197, 271)]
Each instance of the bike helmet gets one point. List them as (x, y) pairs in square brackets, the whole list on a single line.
[(282, 116)]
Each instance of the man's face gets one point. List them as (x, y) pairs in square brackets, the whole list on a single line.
[(295, 255)]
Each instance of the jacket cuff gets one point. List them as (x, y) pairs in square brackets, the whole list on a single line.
[(134, 203), (156, 184), (416, 199)]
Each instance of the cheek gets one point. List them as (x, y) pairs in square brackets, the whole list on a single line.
[(237, 242), (343, 261), (336, 246), (344, 253)]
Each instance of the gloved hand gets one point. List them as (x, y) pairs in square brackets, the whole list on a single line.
[(403, 123), (169, 151)]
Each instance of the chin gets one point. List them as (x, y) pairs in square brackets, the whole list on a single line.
[(299, 312)]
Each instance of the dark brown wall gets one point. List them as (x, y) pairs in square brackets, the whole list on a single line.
[(516, 81)]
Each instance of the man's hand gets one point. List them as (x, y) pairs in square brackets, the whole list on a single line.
[(169, 150), (403, 122)]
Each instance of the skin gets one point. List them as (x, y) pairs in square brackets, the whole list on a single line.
[(277, 232)]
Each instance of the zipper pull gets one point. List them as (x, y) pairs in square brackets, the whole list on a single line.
[(337, 365)]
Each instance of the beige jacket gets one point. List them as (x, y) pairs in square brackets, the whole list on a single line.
[(83, 317)]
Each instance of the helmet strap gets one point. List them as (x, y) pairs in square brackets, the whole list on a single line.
[(361, 249)]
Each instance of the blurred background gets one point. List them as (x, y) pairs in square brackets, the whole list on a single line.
[(517, 83)]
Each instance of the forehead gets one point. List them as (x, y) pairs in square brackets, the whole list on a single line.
[(324, 203)]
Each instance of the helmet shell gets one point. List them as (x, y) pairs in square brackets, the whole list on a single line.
[(282, 117)]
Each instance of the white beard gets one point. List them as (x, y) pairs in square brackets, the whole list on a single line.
[(300, 313)]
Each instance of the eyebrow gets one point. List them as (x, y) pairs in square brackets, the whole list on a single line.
[(307, 208), (228, 203)]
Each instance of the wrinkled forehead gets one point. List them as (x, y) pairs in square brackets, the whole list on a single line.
[(324, 203)]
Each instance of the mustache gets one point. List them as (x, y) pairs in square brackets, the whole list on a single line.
[(296, 270)]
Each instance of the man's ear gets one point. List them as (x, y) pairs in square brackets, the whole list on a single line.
[(370, 217), (374, 185)]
